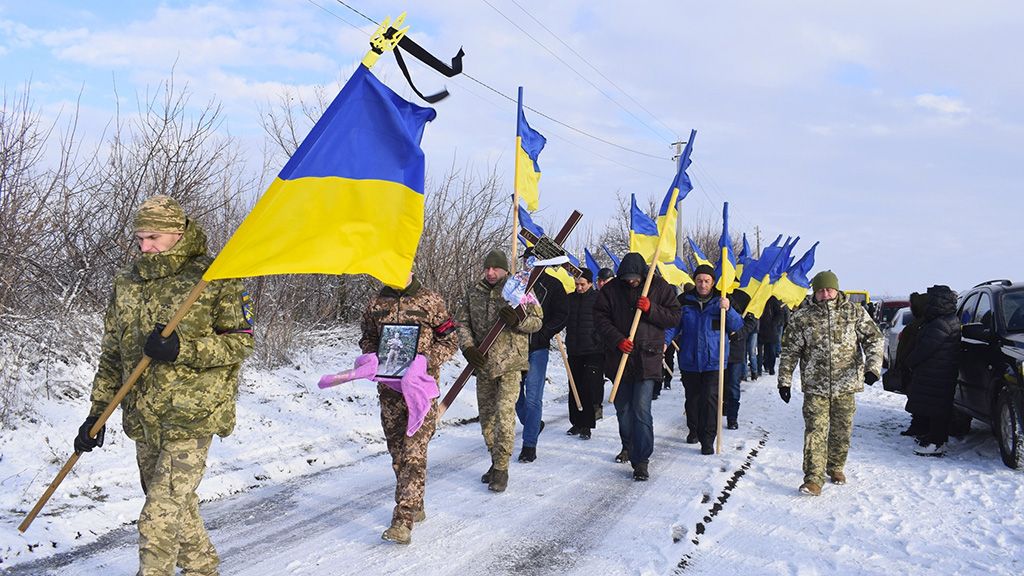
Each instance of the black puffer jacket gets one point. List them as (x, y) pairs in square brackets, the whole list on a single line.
[(771, 319), (580, 335), (935, 359), (738, 339), (551, 295), (613, 316)]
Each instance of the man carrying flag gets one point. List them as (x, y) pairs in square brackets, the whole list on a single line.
[(188, 393)]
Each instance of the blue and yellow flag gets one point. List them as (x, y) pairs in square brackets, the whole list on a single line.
[(557, 272), (612, 257), (756, 281), (529, 143), (675, 272), (698, 254), (792, 288), (350, 199), (591, 263), (643, 232), (527, 222), (668, 215), (726, 269)]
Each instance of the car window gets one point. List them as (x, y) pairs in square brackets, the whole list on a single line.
[(1013, 311), (984, 312), (967, 311), (906, 318)]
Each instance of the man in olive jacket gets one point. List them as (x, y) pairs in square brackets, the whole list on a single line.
[(186, 395), (839, 349), (498, 372), (616, 305)]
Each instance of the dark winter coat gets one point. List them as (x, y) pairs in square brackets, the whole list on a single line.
[(553, 300), (738, 338), (580, 334), (908, 339), (935, 360), (613, 316), (697, 332), (771, 320)]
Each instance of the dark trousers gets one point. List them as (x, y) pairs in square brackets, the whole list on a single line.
[(733, 375), (670, 360), (701, 390), (586, 374), (768, 356)]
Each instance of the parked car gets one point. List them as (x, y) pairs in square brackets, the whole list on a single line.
[(887, 310), (900, 319), (990, 385)]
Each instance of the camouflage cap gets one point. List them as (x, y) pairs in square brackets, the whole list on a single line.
[(160, 213)]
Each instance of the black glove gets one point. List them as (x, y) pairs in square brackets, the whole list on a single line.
[(83, 443), (784, 393), (162, 349), (870, 378), (510, 316), (475, 357)]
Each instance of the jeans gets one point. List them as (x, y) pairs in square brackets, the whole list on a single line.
[(636, 425), (530, 407), (753, 368), (733, 375)]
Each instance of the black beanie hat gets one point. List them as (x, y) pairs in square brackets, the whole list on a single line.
[(587, 275), (605, 274), (704, 269)]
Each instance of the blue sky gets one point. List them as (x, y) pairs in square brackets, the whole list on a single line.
[(888, 131)]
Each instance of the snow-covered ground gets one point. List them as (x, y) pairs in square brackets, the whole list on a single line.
[(304, 486)]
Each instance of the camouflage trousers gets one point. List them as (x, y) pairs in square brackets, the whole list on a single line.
[(496, 399), (171, 532), (828, 425), (408, 454)]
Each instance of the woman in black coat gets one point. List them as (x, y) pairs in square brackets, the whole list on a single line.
[(934, 363)]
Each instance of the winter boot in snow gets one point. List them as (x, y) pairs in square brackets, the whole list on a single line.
[(732, 424), (707, 449), (528, 454), (573, 431), (622, 456), (499, 481), (810, 488), (397, 533), (486, 478), (640, 473), (691, 438), (837, 477), (585, 434), (419, 515), (929, 449)]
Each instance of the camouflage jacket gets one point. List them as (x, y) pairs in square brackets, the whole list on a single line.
[(413, 305), (479, 311), (194, 396), (835, 342)]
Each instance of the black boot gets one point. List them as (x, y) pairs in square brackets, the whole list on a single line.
[(486, 478), (528, 454), (640, 473), (622, 456)]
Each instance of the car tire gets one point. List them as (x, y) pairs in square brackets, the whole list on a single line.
[(1010, 430)]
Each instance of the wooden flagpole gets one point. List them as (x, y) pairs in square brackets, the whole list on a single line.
[(572, 381)]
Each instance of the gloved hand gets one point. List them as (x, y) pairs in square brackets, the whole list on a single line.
[(162, 349), (625, 346), (475, 357), (784, 393), (509, 315), (83, 443), (870, 378), (644, 304)]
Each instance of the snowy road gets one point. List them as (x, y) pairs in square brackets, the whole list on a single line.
[(574, 511)]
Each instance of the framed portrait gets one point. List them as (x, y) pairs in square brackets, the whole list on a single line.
[(396, 349)]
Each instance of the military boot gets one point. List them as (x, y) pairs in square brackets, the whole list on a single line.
[(419, 515), (499, 481), (486, 478), (837, 477), (397, 533), (810, 488)]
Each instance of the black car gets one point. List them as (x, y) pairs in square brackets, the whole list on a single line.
[(990, 386)]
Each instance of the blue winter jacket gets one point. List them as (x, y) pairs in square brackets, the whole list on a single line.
[(697, 332)]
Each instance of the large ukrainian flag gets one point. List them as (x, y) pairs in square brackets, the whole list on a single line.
[(349, 201), (643, 232), (529, 143), (792, 288)]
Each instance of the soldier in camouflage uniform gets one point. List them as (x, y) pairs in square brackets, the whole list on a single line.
[(497, 372), (839, 349), (186, 395), (437, 342)]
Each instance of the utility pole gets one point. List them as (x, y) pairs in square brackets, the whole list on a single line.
[(680, 237), (757, 232)]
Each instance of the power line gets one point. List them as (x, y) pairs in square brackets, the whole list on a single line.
[(507, 97), (570, 67), (594, 68)]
